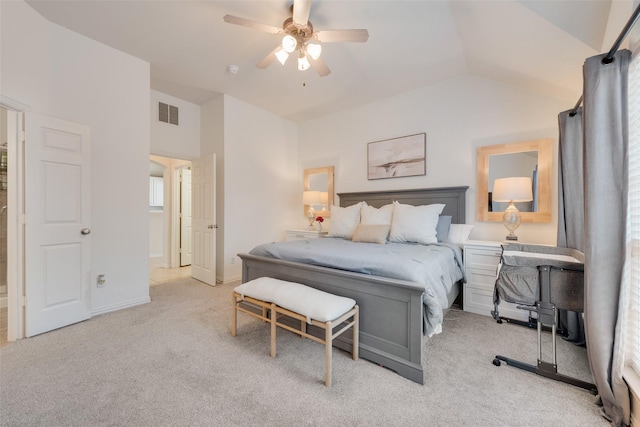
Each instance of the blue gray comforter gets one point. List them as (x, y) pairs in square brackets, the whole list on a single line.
[(438, 267)]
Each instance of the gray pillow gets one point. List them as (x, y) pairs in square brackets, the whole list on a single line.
[(442, 229)]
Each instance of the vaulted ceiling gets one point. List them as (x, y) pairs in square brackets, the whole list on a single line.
[(536, 45)]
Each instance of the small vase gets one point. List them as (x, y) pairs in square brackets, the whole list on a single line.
[(319, 226)]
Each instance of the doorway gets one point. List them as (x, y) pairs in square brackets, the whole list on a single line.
[(169, 238), (4, 161)]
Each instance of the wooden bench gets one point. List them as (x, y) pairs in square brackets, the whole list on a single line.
[(308, 305)]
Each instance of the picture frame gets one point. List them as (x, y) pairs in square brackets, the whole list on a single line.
[(397, 157)]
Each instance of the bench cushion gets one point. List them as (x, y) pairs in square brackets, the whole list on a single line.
[(309, 302)]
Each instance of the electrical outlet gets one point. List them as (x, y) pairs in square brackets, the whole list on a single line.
[(233, 260), (102, 281)]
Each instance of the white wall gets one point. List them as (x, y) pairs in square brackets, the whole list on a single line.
[(60, 73), (260, 180), (458, 116), (181, 141), (156, 234)]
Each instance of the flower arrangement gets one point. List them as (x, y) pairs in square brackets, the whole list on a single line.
[(320, 219)]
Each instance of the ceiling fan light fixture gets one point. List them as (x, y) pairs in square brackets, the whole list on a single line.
[(289, 43), (314, 50), (282, 55), (303, 63)]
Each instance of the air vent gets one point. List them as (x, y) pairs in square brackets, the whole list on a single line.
[(167, 113)]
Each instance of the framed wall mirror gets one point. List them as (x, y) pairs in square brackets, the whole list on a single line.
[(531, 159), (320, 179)]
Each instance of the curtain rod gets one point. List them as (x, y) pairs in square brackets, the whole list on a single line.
[(609, 58)]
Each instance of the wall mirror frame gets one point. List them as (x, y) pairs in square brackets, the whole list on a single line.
[(545, 160), (314, 180)]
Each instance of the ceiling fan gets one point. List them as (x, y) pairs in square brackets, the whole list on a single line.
[(299, 36)]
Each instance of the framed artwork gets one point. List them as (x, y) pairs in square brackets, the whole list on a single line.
[(397, 157)]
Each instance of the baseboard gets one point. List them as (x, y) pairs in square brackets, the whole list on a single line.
[(632, 379), (227, 280), (120, 306)]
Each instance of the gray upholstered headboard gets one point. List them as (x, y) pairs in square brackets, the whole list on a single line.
[(452, 197)]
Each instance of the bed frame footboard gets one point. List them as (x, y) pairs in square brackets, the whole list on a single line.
[(390, 310)]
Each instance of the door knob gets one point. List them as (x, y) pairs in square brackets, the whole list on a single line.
[(85, 231), (210, 226)]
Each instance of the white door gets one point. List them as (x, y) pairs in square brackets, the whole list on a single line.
[(203, 215), (185, 217), (57, 231)]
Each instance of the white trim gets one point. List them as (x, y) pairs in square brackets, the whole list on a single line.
[(12, 104), (227, 280), (632, 379), (120, 306), (15, 231)]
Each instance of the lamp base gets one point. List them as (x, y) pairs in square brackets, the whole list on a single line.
[(511, 221)]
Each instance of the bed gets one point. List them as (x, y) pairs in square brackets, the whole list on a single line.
[(392, 310)]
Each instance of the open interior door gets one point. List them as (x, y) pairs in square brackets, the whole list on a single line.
[(203, 219), (57, 229), (185, 217)]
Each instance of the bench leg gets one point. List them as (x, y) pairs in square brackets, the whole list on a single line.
[(356, 334), (234, 315), (274, 320), (328, 342)]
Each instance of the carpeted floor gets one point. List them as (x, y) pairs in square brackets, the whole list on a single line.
[(172, 362)]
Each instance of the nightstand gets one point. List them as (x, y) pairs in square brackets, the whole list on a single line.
[(302, 234), (481, 259)]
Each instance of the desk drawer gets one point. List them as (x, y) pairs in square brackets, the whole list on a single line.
[(482, 259), (481, 277)]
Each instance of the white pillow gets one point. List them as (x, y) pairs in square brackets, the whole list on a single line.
[(374, 216), (344, 221), (459, 233), (415, 223)]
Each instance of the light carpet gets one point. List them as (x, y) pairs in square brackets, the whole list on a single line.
[(172, 362)]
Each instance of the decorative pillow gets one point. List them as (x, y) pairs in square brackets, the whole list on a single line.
[(459, 233), (371, 233), (370, 215), (415, 223), (344, 221), (442, 229)]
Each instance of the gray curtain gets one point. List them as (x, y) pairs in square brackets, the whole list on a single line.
[(605, 212), (570, 206), (570, 181)]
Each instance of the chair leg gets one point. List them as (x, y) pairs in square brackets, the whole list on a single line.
[(356, 334), (234, 315), (274, 321), (328, 342)]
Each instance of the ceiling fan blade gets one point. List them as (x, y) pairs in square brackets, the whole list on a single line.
[(330, 36), (301, 9), (230, 19), (267, 60), (319, 66)]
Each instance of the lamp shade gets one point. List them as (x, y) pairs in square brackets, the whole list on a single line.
[(512, 189), (289, 43), (324, 197), (311, 198), (314, 50), (303, 63), (282, 55)]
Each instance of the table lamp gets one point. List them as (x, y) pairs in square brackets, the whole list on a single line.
[(512, 189), (311, 198)]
